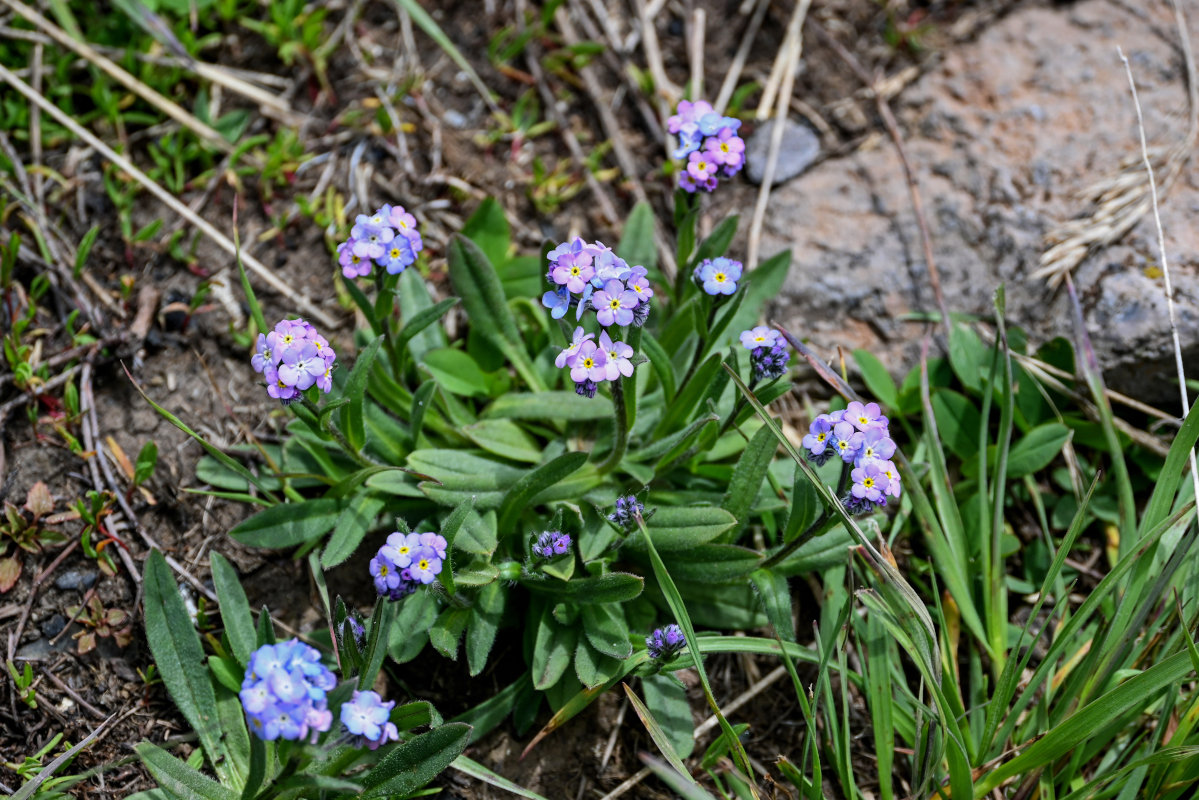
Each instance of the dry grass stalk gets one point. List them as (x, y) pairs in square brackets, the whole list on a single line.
[(1116, 203), (221, 240)]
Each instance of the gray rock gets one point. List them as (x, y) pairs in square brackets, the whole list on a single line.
[(800, 147), (53, 626), (76, 579), (996, 175)]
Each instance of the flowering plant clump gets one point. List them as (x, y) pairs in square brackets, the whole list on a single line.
[(366, 715), (293, 358), (387, 238), (768, 353), (859, 436), (285, 690), (709, 144), (665, 642), (590, 276)]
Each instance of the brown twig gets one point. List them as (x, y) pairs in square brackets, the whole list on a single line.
[(884, 110), (74, 695)]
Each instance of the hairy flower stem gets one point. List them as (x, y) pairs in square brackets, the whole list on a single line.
[(620, 439), (328, 428), (823, 524)]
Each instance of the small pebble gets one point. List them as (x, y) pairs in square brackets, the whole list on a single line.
[(76, 579), (799, 148), (53, 626)]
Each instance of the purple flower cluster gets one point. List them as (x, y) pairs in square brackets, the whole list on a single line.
[(768, 355), (551, 543), (628, 508), (366, 715), (718, 276), (284, 692), (709, 142), (601, 280), (859, 436), (665, 642), (292, 358), (406, 562), (592, 362), (387, 237)]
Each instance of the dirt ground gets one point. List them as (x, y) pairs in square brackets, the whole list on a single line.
[(199, 369)]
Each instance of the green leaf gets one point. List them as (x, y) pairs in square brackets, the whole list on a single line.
[(534, 483), (460, 469), (542, 406), (178, 778), (414, 763), (1172, 473), (660, 362), (776, 601), (352, 415), (147, 459), (488, 228), (805, 507), (378, 641), (1036, 449), (415, 311), (683, 527), (958, 422), (689, 396), (878, 380), (176, 648), (456, 372), (748, 476), (478, 534), (421, 399), (408, 635), (967, 356), (553, 648), (475, 280), (667, 704), (235, 608), (447, 630), (615, 587), (606, 629), (353, 524), (484, 622), (504, 438), (421, 320), (712, 563), (289, 524), (637, 242), (717, 243)]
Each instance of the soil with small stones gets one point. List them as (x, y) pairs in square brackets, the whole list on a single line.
[(194, 366)]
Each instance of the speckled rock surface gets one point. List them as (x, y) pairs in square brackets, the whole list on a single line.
[(1003, 134)]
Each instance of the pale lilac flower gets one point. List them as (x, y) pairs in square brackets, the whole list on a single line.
[(301, 366), (566, 357), (425, 565), (352, 264), (265, 356), (816, 441), (876, 445), (371, 242), (397, 256), (589, 364), (402, 221), (366, 715), (573, 270), (435, 542), (618, 354), (638, 283), (894, 485), (402, 547), (761, 336), (700, 167), (864, 416), (727, 149), (846, 441), (276, 388), (719, 275), (558, 301), (868, 483), (614, 304)]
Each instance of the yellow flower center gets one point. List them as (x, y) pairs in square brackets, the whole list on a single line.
[(759, 338), (868, 482), (701, 165), (613, 354), (395, 252), (403, 550), (588, 363), (403, 225), (820, 437), (423, 565), (843, 444), (382, 569), (288, 338), (637, 289), (355, 258), (864, 420), (720, 277), (614, 303)]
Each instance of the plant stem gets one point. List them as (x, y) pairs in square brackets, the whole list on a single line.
[(822, 524), (620, 440), (328, 428)]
